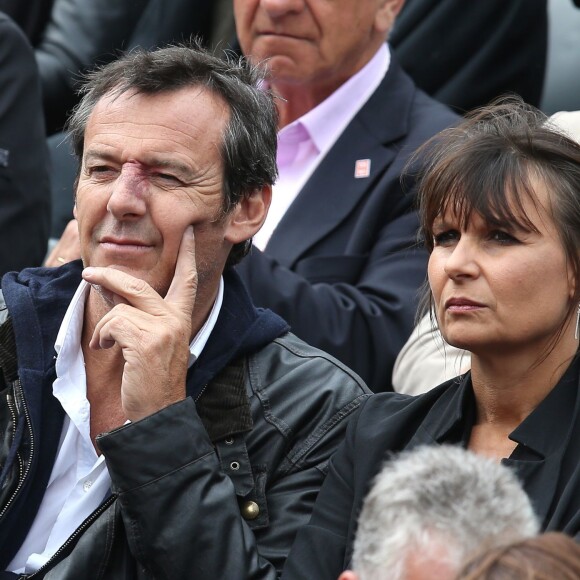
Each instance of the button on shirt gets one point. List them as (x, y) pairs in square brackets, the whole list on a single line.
[(304, 143), (79, 481)]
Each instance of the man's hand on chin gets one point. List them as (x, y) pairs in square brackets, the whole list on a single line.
[(152, 332)]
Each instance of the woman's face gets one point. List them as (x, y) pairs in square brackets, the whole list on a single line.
[(500, 289)]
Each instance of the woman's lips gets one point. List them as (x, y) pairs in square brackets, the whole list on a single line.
[(462, 305)]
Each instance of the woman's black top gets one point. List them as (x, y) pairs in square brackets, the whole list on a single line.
[(546, 460)]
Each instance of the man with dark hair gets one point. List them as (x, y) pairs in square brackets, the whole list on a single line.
[(156, 424)]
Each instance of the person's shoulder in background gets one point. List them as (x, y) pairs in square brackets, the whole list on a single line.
[(24, 190)]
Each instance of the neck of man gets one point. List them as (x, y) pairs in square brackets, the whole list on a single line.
[(295, 100), (298, 96), (96, 308)]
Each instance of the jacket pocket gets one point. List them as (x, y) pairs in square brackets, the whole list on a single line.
[(249, 480), (253, 506)]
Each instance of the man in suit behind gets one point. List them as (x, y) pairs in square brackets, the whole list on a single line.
[(337, 256)]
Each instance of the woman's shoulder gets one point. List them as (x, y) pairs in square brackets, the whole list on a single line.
[(393, 402), (396, 417)]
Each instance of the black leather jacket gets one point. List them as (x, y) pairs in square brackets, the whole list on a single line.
[(212, 488)]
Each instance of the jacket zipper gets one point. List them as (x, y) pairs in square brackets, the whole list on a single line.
[(200, 393), (72, 538), (12, 407), (27, 469)]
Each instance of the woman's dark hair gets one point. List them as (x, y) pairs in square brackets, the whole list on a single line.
[(549, 556), (493, 161)]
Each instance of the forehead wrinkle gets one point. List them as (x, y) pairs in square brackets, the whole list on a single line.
[(114, 127)]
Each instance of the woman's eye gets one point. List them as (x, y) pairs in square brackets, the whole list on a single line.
[(502, 237), (444, 238)]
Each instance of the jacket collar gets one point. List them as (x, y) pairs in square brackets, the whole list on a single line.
[(241, 329), (451, 415), (37, 299), (543, 439), (223, 407), (43, 294), (546, 430)]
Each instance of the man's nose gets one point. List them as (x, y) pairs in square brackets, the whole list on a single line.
[(128, 195), (278, 8)]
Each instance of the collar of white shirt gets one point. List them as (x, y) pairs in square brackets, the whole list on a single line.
[(68, 338)]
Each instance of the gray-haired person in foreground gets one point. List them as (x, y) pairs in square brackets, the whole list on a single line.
[(431, 508)]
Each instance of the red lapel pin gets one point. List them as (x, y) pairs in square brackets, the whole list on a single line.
[(362, 168)]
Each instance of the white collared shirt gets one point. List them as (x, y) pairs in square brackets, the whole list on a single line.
[(305, 142), (79, 480)]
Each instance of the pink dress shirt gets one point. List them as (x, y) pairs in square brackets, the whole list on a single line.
[(304, 143)]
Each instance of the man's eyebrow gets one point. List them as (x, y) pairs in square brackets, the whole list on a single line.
[(94, 154), (182, 169)]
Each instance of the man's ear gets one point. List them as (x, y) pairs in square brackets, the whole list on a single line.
[(75, 210), (348, 575), (248, 215), (387, 14)]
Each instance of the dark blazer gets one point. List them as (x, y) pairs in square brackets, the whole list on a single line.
[(343, 267), (546, 461), (24, 190), (466, 53), (80, 34)]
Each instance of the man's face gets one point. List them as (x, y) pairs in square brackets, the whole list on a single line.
[(313, 41), (151, 166)]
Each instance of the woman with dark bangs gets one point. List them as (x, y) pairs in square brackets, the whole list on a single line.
[(500, 206)]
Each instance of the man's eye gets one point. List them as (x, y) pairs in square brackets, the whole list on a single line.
[(166, 177), (444, 238), (100, 170)]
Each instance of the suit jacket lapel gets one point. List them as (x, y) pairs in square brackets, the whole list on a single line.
[(332, 192)]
